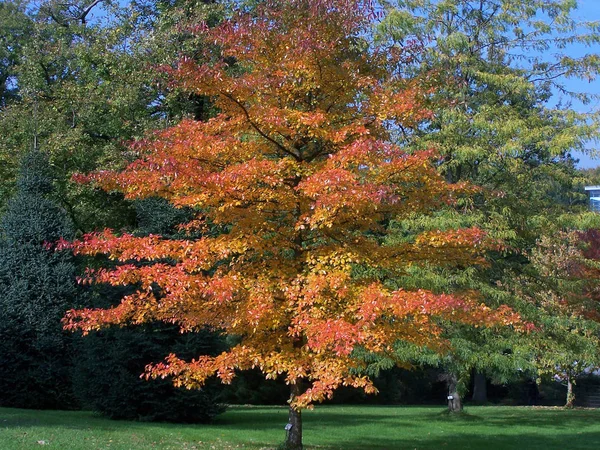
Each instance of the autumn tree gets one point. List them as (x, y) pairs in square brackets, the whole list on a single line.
[(293, 183)]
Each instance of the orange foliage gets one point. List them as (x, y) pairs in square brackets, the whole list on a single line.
[(299, 169)]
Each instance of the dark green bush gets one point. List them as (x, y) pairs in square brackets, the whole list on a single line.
[(111, 361)]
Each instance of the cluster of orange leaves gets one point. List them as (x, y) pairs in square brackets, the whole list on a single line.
[(299, 170)]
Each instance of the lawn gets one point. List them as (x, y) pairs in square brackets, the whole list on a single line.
[(327, 427)]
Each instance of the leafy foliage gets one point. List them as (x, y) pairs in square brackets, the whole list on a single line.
[(298, 171), (496, 122), (86, 89), (14, 27), (567, 341), (497, 125), (109, 363)]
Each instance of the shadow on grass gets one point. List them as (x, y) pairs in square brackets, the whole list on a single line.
[(74, 420), (552, 418), (530, 441), (361, 428), (255, 418), (446, 416), (267, 417)]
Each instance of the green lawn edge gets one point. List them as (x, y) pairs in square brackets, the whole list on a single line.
[(325, 427)]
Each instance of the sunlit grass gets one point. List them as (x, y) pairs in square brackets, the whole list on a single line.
[(327, 427)]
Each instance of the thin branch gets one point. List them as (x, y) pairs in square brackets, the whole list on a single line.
[(80, 17), (258, 130)]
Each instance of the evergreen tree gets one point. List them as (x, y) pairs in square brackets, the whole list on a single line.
[(37, 286), (109, 363)]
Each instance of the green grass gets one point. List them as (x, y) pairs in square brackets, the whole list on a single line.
[(327, 427)]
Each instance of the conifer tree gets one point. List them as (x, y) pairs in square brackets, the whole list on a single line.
[(37, 285), (109, 362)]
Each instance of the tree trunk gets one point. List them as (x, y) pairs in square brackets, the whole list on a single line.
[(479, 388), (570, 395), (454, 400), (294, 426), (533, 393)]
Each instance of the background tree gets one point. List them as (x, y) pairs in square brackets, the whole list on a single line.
[(109, 362), (496, 121), (297, 172), (37, 285), (15, 28), (500, 355), (567, 340), (94, 87)]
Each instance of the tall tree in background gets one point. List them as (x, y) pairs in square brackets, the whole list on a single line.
[(496, 123), (299, 177), (94, 87), (37, 285), (15, 28)]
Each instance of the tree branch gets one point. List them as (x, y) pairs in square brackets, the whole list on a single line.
[(258, 130)]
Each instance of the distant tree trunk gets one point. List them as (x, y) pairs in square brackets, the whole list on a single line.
[(533, 393), (479, 388), (570, 394), (454, 400), (294, 428)]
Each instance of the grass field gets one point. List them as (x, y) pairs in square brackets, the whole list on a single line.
[(327, 427)]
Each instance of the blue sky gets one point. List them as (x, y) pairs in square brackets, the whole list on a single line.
[(588, 10)]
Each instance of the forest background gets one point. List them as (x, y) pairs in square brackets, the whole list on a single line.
[(79, 86)]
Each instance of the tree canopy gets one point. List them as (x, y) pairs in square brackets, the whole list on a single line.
[(298, 173)]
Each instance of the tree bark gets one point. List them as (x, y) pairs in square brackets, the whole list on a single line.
[(294, 428), (479, 388), (454, 400), (570, 394)]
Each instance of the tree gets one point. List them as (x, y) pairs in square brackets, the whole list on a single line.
[(560, 282), (15, 27), (106, 374), (37, 285), (498, 354), (497, 125), (297, 175), (71, 96), (86, 89)]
